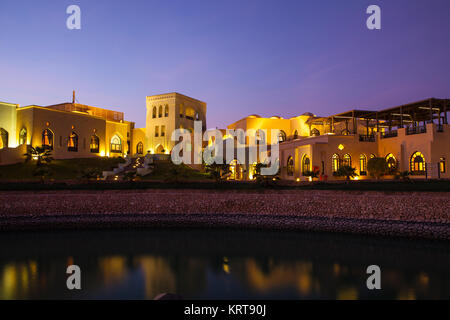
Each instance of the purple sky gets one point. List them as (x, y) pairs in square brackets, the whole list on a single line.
[(240, 56)]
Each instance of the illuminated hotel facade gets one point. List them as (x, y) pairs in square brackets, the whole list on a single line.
[(413, 137)]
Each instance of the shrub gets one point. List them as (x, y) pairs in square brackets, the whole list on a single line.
[(377, 167)]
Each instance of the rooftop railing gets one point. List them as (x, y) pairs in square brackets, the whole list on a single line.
[(389, 134), (367, 138), (416, 130)]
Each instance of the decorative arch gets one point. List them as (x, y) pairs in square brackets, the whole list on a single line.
[(282, 136), (391, 162), (140, 148), (160, 112), (335, 162), (306, 164), (95, 144), (116, 144), (347, 160), (362, 165), (290, 166), (417, 163), (72, 143), (154, 112), (315, 132), (23, 136), (160, 149), (47, 139), (4, 136)]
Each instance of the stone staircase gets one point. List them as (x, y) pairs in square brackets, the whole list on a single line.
[(141, 165)]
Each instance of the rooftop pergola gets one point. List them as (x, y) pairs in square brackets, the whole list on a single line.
[(412, 114)]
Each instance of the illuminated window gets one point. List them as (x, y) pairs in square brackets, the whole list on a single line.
[(362, 165), (47, 139), (391, 162), (306, 164), (315, 132), (290, 166), (417, 164), (154, 113), (4, 138), (347, 160), (160, 112), (442, 167), (140, 148), (166, 111), (236, 170), (372, 156), (23, 136), (282, 136), (163, 131), (72, 143), (116, 144), (95, 144), (335, 162), (156, 131)]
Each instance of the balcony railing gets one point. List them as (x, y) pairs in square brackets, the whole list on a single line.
[(415, 130), (366, 138), (389, 134)]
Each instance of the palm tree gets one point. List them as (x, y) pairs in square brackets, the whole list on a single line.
[(218, 171), (346, 171), (40, 154)]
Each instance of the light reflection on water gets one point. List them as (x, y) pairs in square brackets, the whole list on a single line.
[(218, 264)]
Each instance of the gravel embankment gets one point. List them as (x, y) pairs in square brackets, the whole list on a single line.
[(400, 214)]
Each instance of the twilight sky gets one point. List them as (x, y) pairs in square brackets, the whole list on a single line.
[(270, 57)]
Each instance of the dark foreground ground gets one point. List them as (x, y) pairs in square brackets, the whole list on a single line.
[(407, 214)]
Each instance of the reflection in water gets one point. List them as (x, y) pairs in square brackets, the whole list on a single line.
[(219, 264)]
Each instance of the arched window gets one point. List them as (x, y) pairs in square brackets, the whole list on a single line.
[(282, 136), (295, 135), (290, 166), (4, 138), (362, 165), (95, 144), (160, 149), (347, 160), (160, 112), (417, 163), (47, 139), (306, 164), (442, 166), (372, 156), (154, 113), (315, 132), (116, 144), (391, 162), (72, 143), (166, 111), (236, 170), (190, 113), (23, 136), (140, 148), (181, 110), (335, 162)]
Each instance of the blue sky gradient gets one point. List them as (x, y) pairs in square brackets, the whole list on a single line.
[(241, 57)]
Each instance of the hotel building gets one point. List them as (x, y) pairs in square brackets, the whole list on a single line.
[(414, 137)]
